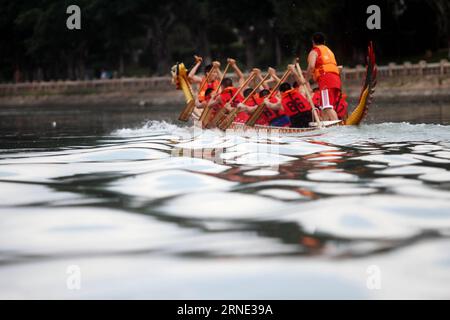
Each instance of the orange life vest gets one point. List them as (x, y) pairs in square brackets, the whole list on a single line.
[(211, 85), (325, 63)]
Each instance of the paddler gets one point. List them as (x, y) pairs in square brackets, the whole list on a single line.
[(213, 81), (253, 101), (269, 117), (323, 68), (294, 105), (228, 89), (227, 92)]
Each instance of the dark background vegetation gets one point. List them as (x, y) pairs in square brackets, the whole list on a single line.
[(142, 37)]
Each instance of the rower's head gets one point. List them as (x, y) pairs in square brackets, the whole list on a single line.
[(208, 92), (208, 68), (264, 93), (214, 75), (247, 92), (285, 86), (227, 82), (295, 85), (318, 39)]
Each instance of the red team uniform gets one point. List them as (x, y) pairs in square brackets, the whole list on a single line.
[(297, 108), (268, 116)]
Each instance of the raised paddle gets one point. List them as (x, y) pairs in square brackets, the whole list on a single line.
[(226, 123), (206, 114), (308, 94), (221, 111), (259, 110)]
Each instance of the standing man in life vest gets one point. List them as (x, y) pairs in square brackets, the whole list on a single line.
[(322, 67)]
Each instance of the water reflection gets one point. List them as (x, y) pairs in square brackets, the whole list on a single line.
[(162, 190)]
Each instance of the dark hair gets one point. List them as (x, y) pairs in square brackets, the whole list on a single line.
[(318, 38), (227, 82), (295, 85), (208, 68), (264, 93), (247, 92), (285, 87), (208, 91)]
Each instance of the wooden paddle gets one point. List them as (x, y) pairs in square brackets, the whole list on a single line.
[(255, 116), (222, 111), (206, 114), (308, 94), (226, 123)]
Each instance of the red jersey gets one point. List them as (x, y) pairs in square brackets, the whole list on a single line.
[(254, 102), (268, 114), (229, 93), (294, 103)]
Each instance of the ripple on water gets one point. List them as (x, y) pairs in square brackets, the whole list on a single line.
[(391, 160), (34, 194), (331, 175), (436, 177), (442, 154), (409, 170), (373, 217), (262, 173), (281, 194), (168, 183), (64, 231), (261, 159), (222, 206)]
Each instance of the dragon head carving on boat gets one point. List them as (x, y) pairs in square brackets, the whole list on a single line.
[(367, 92)]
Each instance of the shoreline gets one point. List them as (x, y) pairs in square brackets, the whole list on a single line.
[(418, 90)]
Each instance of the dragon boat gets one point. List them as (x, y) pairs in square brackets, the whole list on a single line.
[(356, 117)]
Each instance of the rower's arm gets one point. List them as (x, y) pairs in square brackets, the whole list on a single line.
[(245, 108), (192, 74), (297, 77), (215, 101), (273, 74), (201, 105), (216, 64), (312, 59), (264, 85), (238, 71), (273, 106)]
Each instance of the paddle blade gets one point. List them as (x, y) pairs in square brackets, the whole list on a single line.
[(255, 116), (205, 115), (216, 119), (228, 120), (187, 111)]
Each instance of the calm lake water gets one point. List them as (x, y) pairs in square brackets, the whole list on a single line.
[(129, 205)]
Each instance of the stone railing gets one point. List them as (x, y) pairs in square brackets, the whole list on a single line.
[(87, 86), (407, 69), (164, 83)]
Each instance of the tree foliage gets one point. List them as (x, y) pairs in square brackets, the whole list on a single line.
[(146, 37)]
